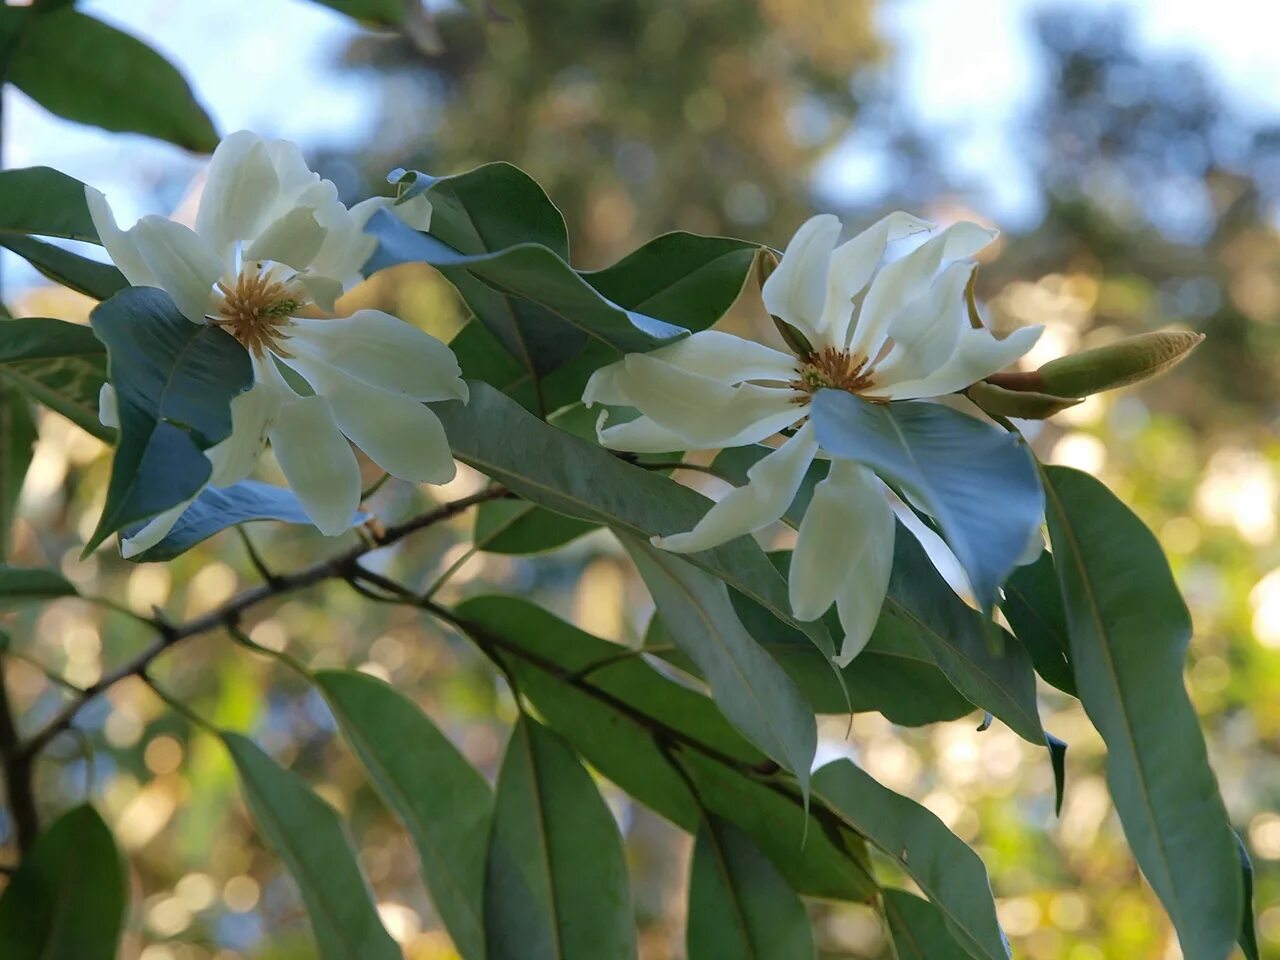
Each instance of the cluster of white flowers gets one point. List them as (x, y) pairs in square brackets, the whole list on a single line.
[(883, 331), (272, 239)]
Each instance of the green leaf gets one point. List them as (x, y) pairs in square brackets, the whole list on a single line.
[(740, 907), (978, 482), (84, 70), (312, 840), (1129, 631), (97, 280), (1248, 939), (571, 476), (1033, 605), (949, 873), (23, 584), (46, 202), (174, 381), (556, 884), (218, 508), (440, 798), (754, 693), (919, 929), (17, 445), (632, 723), (518, 527), (61, 365), (67, 901)]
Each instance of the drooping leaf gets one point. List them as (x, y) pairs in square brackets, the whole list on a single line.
[(17, 445), (559, 312), (519, 527), (85, 70), (627, 721), (218, 508), (174, 381), (1248, 939), (740, 906), (1033, 605), (919, 929), (978, 482), (752, 691), (61, 365), (556, 470), (45, 202), (1129, 630), (445, 804), (24, 584), (67, 901), (556, 884), (948, 872), (312, 841), (93, 279)]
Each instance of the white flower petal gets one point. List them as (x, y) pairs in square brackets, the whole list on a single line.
[(416, 212), (640, 435), (705, 412), (292, 173), (926, 331), (606, 385), (904, 280), (771, 486), (183, 264), (844, 552), (118, 243), (346, 246), (977, 354), (400, 435), (797, 290), (318, 462), (108, 407), (240, 192), (382, 351), (156, 530), (323, 291), (252, 415), (853, 264), (293, 239)]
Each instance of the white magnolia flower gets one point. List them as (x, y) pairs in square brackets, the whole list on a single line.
[(882, 331), (271, 240)]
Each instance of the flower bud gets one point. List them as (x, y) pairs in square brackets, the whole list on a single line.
[(1119, 364), (767, 262), (1023, 404)]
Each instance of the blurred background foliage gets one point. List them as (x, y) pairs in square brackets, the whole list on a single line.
[(1155, 204)]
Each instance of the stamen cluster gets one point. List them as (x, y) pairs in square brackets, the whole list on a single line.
[(256, 309), (831, 368)]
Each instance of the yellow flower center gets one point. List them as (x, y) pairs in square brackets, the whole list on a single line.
[(834, 369), (256, 309)]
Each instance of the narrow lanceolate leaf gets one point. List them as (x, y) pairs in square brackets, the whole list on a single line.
[(1033, 605), (919, 929), (61, 365), (24, 584), (445, 804), (1248, 939), (44, 202), (85, 70), (611, 706), (556, 883), (67, 901), (93, 279), (17, 444), (571, 476), (1129, 632), (740, 907), (752, 691), (519, 527), (978, 482), (312, 841), (174, 381), (949, 873)]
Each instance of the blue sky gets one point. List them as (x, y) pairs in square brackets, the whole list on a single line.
[(964, 71)]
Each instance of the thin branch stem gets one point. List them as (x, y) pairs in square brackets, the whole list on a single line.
[(255, 558)]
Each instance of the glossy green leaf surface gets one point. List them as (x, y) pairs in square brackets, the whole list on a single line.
[(59, 364), (97, 280), (919, 929), (521, 528), (556, 885), (17, 444), (1033, 605), (68, 899), (25, 584), (313, 842), (45, 202), (740, 906), (1129, 630)]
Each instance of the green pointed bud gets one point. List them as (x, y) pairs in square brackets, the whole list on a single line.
[(1022, 404), (1119, 364), (767, 262)]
